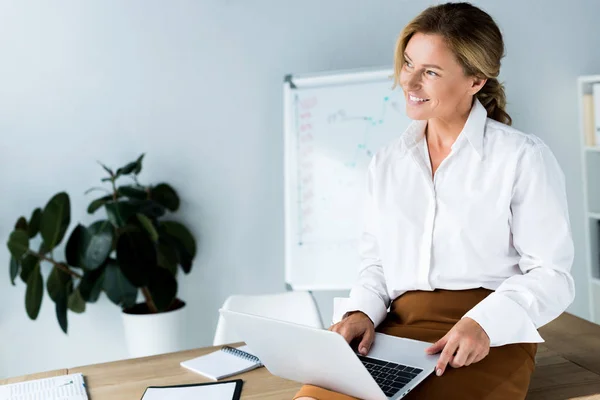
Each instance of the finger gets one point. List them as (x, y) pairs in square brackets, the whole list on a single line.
[(366, 342), (446, 356), (437, 346), (480, 356), (344, 331), (471, 359), (463, 353), (347, 334)]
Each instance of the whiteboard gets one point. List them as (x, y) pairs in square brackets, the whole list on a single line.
[(333, 124)]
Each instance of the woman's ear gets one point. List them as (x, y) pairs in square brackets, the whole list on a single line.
[(476, 84)]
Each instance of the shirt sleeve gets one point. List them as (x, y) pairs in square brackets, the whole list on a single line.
[(369, 294), (541, 234)]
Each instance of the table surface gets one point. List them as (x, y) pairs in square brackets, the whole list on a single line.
[(127, 379), (567, 367)]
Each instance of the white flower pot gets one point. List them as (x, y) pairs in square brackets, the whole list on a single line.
[(150, 334)]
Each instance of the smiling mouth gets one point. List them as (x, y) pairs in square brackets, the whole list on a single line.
[(414, 98)]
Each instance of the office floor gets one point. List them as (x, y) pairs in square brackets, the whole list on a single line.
[(568, 364)]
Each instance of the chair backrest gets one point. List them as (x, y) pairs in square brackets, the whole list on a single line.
[(295, 306)]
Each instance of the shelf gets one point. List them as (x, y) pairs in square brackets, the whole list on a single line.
[(590, 160)]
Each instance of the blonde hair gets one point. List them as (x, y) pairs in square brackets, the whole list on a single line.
[(476, 41)]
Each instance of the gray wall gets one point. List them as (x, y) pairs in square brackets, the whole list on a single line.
[(197, 86)]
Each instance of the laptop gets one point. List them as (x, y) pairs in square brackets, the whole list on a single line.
[(393, 367)]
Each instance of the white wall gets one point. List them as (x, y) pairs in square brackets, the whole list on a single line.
[(197, 86)]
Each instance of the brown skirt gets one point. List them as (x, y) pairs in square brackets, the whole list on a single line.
[(428, 316)]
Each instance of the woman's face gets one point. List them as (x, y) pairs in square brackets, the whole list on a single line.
[(433, 81)]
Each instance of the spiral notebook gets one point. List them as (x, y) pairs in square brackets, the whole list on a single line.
[(224, 362)]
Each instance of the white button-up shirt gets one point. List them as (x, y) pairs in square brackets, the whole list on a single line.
[(494, 216)]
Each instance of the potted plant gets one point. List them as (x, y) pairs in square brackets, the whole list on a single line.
[(132, 250)]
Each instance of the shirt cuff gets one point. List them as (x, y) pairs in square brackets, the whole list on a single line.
[(364, 300), (504, 321)]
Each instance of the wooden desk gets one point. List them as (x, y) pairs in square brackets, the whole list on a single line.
[(127, 379), (568, 363), (567, 367)]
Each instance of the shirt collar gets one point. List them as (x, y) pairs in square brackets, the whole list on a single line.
[(473, 130)]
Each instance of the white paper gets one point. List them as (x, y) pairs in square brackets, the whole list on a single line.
[(221, 391), (220, 364), (65, 387)]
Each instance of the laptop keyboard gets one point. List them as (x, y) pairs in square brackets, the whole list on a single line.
[(389, 376)]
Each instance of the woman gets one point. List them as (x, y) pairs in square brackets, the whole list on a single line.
[(467, 235)]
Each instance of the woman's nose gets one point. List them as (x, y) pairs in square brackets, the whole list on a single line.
[(411, 81)]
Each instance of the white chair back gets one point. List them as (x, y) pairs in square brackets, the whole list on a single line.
[(294, 306)]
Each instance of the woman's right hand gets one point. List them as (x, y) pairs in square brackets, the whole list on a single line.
[(356, 326)]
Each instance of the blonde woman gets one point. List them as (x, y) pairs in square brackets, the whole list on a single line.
[(467, 236)]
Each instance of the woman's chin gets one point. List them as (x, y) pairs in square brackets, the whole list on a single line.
[(416, 114)]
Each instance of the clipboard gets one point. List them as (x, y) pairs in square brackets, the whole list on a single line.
[(225, 390)]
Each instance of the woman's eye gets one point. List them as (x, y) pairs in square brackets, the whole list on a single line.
[(431, 73), (408, 64)]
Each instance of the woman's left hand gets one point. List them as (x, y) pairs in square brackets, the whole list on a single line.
[(466, 343)]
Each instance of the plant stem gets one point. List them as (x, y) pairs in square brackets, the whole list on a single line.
[(149, 301), (114, 188), (58, 265)]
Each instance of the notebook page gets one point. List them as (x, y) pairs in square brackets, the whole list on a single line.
[(65, 387), (219, 364), (221, 391)]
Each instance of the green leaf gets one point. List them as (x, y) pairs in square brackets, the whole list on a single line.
[(96, 204), (28, 265), (76, 303), (97, 244), (60, 288), (119, 212), (163, 288), (55, 219), (57, 283), (90, 190), (34, 293), (149, 208), (14, 270), (136, 255), (74, 245), (89, 247), (61, 312), (167, 256), (18, 243), (110, 171), (34, 222), (185, 244), (117, 287), (21, 224), (166, 196), (148, 226), (43, 250), (138, 167), (132, 192), (135, 167), (91, 284)]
